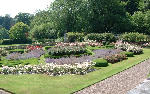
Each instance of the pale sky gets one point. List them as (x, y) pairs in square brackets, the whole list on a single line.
[(13, 7)]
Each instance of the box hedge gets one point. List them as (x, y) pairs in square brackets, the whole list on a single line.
[(100, 62)]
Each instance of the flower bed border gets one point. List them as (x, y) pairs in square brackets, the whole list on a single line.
[(111, 75)]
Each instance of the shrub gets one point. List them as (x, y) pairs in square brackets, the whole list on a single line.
[(106, 38), (83, 44), (49, 69), (94, 37), (32, 54), (6, 42), (100, 62), (30, 48), (134, 37), (115, 58), (3, 52), (42, 32), (67, 50), (19, 32), (74, 37), (101, 53), (110, 46), (48, 47), (129, 48), (4, 33), (17, 51), (128, 54), (140, 20)]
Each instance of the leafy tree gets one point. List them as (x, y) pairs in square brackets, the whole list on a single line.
[(144, 5), (141, 22), (108, 16), (24, 17), (6, 21), (41, 17), (4, 33), (19, 32), (43, 31), (132, 6), (69, 15)]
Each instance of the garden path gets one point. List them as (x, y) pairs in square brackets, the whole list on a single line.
[(143, 88), (3, 92), (122, 82)]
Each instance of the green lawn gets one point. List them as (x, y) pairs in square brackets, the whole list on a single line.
[(11, 63), (12, 45), (43, 84)]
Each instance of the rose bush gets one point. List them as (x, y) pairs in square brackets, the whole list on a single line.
[(50, 69), (129, 47)]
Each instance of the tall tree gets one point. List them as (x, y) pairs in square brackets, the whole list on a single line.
[(144, 5), (108, 16), (19, 32), (24, 17), (132, 6), (6, 21), (69, 15), (4, 33)]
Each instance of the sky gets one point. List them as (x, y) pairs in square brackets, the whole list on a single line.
[(13, 7)]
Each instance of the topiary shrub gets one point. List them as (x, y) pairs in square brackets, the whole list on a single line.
[(128, 54), (100, 62)]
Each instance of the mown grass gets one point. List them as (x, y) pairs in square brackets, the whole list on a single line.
[(12, 45), (44, 84), (11, 63)]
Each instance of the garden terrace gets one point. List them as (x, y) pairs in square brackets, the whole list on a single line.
[(32, 83), (101, 53)]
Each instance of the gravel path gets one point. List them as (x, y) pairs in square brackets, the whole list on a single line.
[(122, 82), (4, 92)]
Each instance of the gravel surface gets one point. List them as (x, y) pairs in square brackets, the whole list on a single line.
[(120, 83), (4, 92), (143, 88)]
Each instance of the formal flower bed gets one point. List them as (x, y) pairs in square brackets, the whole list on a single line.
[(90, 43), (50, 69), (32, 54), (101, 53), (29, 48), (129, 48), (73, 58), (66, 50)]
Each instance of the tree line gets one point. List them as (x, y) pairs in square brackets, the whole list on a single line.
[(86, 16)]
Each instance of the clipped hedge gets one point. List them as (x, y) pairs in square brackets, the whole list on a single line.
[(75, 37), (48, 47), (128, 54), (134, 37), (17, 51), (106, 38), (100, 62)]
